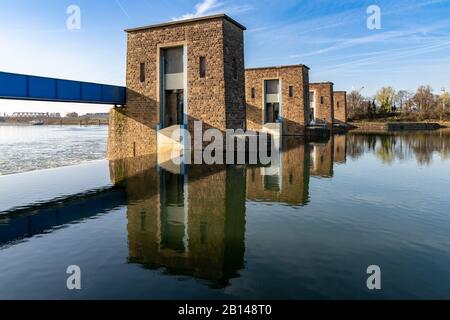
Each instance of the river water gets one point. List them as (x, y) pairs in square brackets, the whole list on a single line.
[(308, 229), (28, 148)]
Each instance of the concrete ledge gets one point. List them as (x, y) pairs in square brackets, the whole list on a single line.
[(314, 132), (340, 128), (395, 126)]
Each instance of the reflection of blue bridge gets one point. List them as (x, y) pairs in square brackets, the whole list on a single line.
[(27, 222), (25, 87)]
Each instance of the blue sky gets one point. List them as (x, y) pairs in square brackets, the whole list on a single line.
[(331, 37)]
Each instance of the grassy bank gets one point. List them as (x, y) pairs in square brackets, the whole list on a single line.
[(439, 117)]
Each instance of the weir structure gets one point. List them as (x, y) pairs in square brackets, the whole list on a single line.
[(192, 70)]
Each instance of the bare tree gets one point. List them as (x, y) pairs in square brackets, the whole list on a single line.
[(425, 99), (355, 103), (402, 99)]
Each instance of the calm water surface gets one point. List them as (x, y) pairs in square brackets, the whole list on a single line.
[(308, 228)]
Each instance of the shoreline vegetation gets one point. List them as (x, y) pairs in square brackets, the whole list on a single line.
[(390, 105)]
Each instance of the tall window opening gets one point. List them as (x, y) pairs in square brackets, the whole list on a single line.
[(202, 67), (142, 72)]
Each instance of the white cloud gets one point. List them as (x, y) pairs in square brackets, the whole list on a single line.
[(208, 7)]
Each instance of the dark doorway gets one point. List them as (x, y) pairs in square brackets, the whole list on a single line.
[(272, 112), (174, 105)]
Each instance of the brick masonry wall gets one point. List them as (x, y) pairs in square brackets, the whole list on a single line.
[(325, 111), (213, 99), (340, 106), (234, 86), (295, 110)]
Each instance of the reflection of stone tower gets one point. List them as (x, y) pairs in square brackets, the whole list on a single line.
[(188, 228), (322, 159), (340, 148), (217, 222), (289, 184)]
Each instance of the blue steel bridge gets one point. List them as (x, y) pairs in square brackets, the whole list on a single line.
[(33, 88)]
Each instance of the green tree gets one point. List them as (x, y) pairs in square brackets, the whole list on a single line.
[(444, 101), (385, 98)]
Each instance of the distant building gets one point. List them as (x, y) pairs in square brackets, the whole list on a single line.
[(36, 115), (72, 115), (97, 116)]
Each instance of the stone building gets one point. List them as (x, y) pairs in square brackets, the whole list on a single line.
[(340, 106), (277, 99), (322, 103), (177, 73)]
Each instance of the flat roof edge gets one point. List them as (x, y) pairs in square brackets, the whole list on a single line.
[(279, 67), (186, 21), (325, 82)]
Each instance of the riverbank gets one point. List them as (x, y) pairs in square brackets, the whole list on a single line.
[(53, 121), (396, 126)]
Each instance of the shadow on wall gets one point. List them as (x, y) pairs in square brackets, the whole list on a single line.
[(133, 131)]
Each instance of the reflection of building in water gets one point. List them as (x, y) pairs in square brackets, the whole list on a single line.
[(392, 146), (322, 155), (340, 148), (192, 224), (288, 183)]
